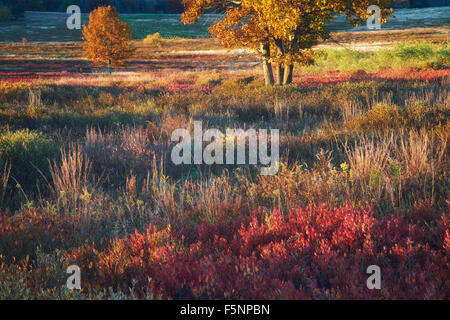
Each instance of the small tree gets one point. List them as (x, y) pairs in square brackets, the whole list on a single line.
[(106, 38)]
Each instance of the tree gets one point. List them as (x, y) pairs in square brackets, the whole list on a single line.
[(106, 38), (174, 6), (282, 31), (5, 14)]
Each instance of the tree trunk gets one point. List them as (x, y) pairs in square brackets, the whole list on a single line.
[(267, 66), (280, 74), (288, 74), (280, 66)]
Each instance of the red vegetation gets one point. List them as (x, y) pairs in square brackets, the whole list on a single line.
[(31, 76), (21, 233), (334, 77), (314, 253)]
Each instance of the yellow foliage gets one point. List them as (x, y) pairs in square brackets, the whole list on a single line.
[(153, 39), (282, 31), (106, 38)]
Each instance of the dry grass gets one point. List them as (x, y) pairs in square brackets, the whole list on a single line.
[(4, 179), (71, 184), (369, 155)]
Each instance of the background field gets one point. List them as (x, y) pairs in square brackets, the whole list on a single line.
[(38, 26)]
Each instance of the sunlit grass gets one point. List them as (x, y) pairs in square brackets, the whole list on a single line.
[(409, 54)]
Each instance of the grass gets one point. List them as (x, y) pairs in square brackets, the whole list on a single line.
[(363, 179), (419, 54), (24, 149)]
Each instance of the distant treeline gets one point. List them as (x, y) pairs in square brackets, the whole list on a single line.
[(124, 6), (17, 7), (420, 3)]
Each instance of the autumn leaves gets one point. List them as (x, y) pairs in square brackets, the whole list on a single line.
[(106, 38), (281, 31)]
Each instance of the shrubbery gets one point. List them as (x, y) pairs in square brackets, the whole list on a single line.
[(311, 253), (363, 180), (418, 115), (153, 39), (27, 151)]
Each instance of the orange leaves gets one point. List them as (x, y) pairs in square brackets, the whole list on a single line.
[(282, 31), (106, 38)]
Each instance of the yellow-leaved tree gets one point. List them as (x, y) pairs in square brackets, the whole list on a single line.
[(107, 40), (282, 31)]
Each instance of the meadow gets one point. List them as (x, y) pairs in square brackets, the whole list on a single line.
[(51, 26), (86, 176)]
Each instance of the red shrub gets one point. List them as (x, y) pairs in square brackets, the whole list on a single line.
[(316, 253), (22, 233)]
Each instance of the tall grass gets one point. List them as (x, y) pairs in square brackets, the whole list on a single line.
[(363, 169), (71, 184), (418, 54)]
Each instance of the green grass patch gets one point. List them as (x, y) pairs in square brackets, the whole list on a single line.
[(418, 54), (24, 150)]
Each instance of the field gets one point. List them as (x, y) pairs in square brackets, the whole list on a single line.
[(86, 175), (47, 27)]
